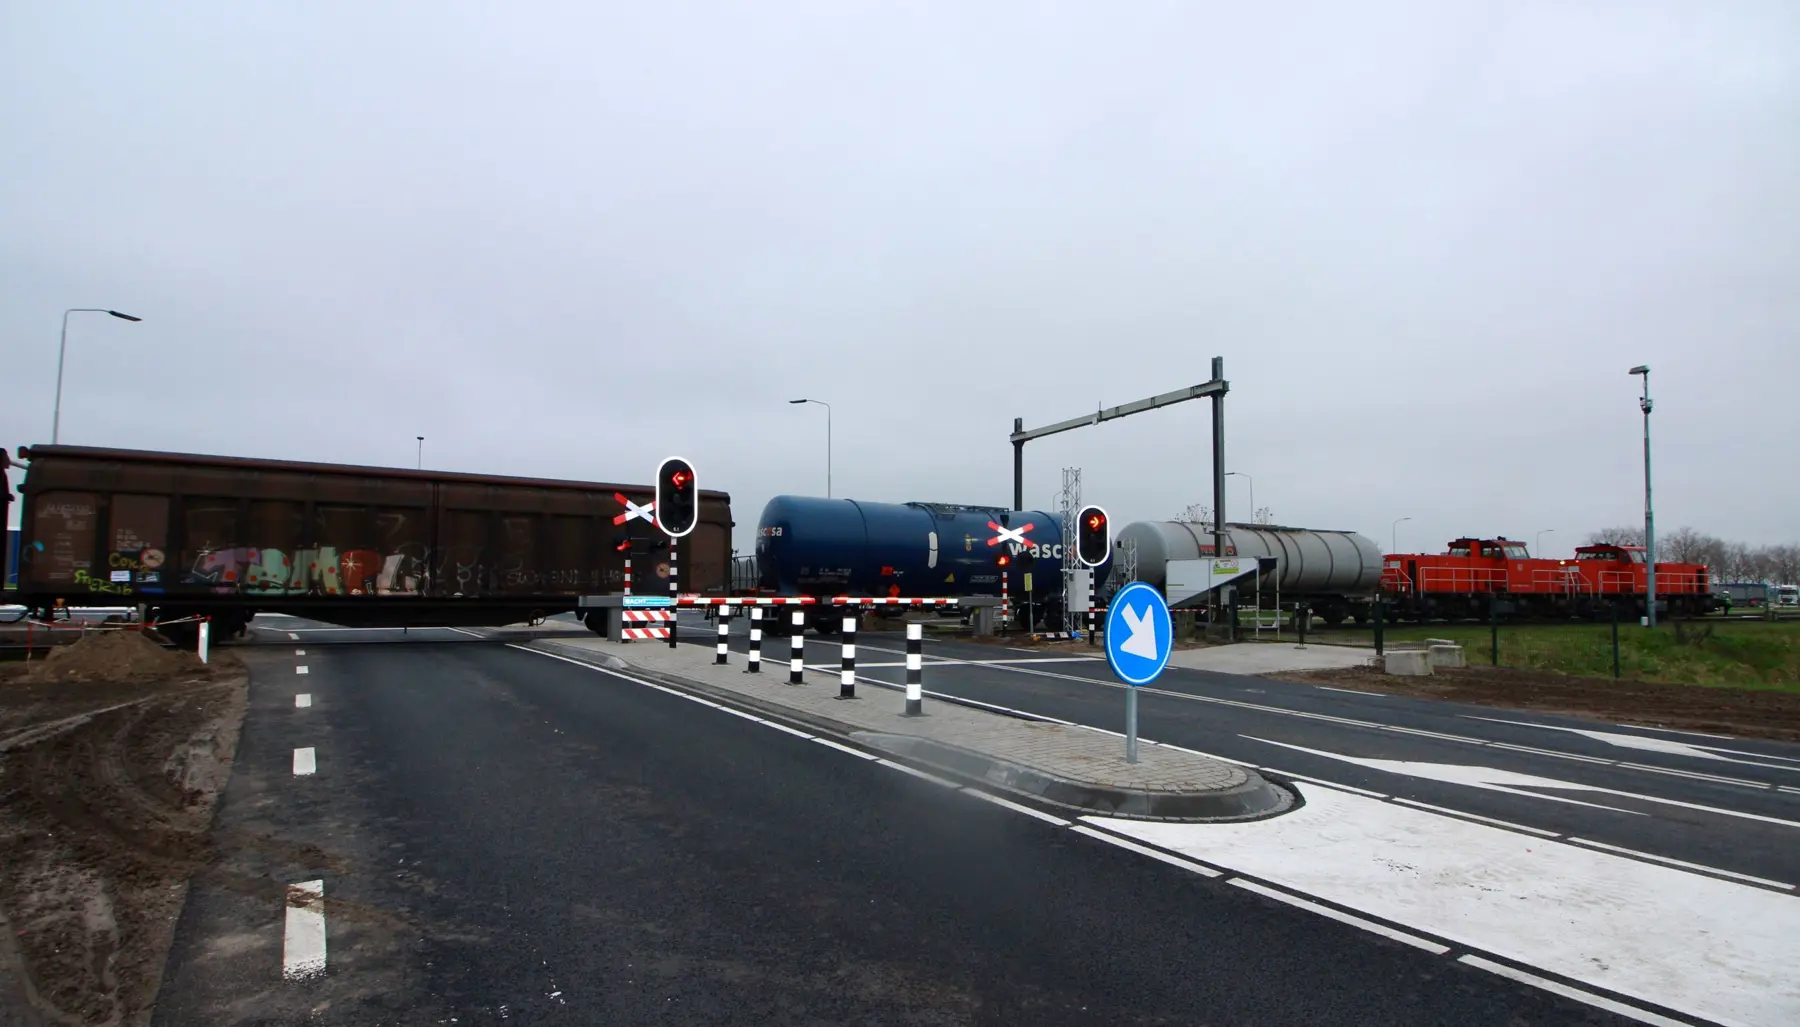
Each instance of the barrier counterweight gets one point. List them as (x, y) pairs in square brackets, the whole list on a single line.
[(847, 672), (755, 640), (915, 669), (724, 635), (797, 649)]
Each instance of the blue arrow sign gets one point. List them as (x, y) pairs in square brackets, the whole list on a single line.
[(1139, 635)]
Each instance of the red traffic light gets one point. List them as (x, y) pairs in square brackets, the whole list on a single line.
[(680, 479), (1095, 521), (1003, 559)]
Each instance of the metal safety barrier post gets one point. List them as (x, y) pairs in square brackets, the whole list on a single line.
[(847, 672), (915, 668), (755, 640), (724, 635), (797, 648)]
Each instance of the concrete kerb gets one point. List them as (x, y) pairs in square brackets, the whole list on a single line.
[(1260, 797)]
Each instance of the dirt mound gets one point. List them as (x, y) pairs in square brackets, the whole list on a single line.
[(114, 658)]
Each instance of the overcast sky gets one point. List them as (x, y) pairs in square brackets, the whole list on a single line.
[(567, 239)]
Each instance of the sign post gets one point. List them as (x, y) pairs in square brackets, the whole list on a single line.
[(1139, 638)]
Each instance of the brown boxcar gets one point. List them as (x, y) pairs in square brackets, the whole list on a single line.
[(360, 546)]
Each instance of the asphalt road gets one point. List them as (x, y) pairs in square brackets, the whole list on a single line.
[(1726, 805), (505, 837)]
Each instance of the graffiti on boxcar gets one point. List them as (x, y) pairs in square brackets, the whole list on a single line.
[(94, 584)]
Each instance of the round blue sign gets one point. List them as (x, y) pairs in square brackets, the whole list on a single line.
[(1139, 634)]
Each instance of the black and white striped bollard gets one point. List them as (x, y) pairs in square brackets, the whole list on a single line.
[(797, 648), (1093, 614), (724, 635), (847, 673), (755, 640), (915, 669), (674, 590)]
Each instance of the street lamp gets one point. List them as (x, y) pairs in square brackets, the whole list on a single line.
[(56, 421), (1394, 531), (1537, 543), (421, 439), (827, 407), (1252, 482), (1649, 515)]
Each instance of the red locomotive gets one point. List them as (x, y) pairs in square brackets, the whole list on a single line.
[(1460, 583)]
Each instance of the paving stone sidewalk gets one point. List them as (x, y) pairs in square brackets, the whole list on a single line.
[(1074, 754)]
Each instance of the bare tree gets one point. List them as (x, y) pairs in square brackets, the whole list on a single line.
[(1621, 536), (1685, 545)]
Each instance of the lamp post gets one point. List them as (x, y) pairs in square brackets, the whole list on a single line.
[(827, 407), (1536, 544), (61, 349), (1252, 482), (421, 439), (1394, 531), (1649, 514)]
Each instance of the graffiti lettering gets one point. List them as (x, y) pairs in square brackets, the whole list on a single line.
[(96, 585)]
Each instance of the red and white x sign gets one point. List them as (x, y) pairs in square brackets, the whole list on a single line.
[(1009, 534), (632, 510)]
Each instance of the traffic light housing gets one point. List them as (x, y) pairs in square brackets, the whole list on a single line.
[(1003, 560), (677, 497), (1093, 536)]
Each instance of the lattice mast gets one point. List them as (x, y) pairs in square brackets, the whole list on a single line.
[(1070, 500)]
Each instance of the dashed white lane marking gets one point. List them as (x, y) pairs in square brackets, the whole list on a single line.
[(1352, 691), (303, 700), (1354, 921), (299, 652), (471, 634), (303, 946), (300, 669), (305, 761), (1643, 1015), (293, 637)]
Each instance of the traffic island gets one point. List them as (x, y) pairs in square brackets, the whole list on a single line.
[(1069, 766)]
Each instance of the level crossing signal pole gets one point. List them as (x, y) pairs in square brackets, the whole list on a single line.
[(677, 508), (1093, 543)]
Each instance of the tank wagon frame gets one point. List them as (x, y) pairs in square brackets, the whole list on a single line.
[(1336, 574), (229, 537), (807, 546)]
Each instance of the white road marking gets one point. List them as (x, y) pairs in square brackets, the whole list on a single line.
[(299, 652), (303, 946), (1540, 832), (1016, 807), (305, 762), (303, 700), (471, 634), (293, 637), (300, 669), (1166, 857), (1498, 780), (1278, 772), (1355, 921), (1646, 744), (1642, 1015), (1624, 925), (1549, 752), (845, 748), (1694, 774), (1352, 691), (1680, 863), (933, 778)]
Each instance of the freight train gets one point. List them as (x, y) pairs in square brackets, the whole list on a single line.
[(1473, 573), (1335, 573), (226, 537), (806, 546)]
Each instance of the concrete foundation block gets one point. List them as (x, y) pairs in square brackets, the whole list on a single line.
[(1439, 641), (1446, 655), (1407, 662)]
